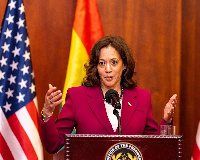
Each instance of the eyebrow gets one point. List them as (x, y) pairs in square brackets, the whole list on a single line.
[(110, 59)]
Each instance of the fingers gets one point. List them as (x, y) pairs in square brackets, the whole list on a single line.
[(171, 111), (173, 99), (55, 97), (51, 89), (52, 99), (170, 107), (58, 102), (172, 102), (50, 86)]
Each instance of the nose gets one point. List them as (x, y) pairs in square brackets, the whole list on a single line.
[(108, 67)]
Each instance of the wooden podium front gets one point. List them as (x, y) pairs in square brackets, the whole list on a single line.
[(118, 147)]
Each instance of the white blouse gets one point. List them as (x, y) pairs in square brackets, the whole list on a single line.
[(112, 118)]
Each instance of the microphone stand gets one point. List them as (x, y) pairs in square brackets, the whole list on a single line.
[(116, 113)]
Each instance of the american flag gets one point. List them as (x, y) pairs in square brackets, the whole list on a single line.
[(19, 129), (196, 150)]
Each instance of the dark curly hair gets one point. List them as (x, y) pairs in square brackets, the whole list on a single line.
[(92, 77)]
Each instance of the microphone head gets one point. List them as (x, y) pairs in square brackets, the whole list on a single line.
[(110, 93)]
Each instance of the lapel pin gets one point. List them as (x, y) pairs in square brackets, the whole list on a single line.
[(129, 104)]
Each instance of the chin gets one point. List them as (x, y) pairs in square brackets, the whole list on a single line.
[(110, 86)]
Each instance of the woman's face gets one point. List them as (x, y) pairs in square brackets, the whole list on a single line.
[(110, 68)]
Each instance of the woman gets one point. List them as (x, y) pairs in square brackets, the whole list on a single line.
[(111, 66)]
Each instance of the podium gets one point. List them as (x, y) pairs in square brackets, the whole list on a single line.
[(118, 147)]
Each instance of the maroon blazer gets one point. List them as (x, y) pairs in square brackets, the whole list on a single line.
[(84, 108)]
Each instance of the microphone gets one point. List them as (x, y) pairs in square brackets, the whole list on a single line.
[(112, 97)]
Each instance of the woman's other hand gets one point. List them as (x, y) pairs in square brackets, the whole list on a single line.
[(169, 109)]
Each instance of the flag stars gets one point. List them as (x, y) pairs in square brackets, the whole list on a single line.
[(18, 37), (21, 9), (12, 79), (20, 97), (1, 89), (16, 84), (10, 19), (32, 74), (8, 33), (14, 65), (7, 107), (26, 55), (12, 5), (5, 47), (23, 84), (16, 51), (20, 23), (9, 93), (32, 88), (25, 69), (2, 75), (3, 61), (27, 42)]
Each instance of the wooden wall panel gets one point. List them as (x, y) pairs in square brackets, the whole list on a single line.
[(166, 58), (2, 9), (49, 27), (190, 74)]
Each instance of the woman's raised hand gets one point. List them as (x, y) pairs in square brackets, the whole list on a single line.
[(52, 99)]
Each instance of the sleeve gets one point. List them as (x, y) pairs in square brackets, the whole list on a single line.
[(53, 132), (151, 126)]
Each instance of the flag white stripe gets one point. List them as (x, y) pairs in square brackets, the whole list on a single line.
[(31, 131), (10, 138), (36, 102), (198, 136), (1, 158)]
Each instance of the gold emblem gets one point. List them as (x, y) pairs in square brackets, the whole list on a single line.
[(123, 151)]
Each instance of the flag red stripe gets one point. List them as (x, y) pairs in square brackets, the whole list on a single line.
[(196, 152), (4, 149), (31, 108), (87, 23), (22, 137)]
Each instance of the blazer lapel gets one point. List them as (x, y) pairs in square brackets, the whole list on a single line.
[(96, 103), (128, 107)]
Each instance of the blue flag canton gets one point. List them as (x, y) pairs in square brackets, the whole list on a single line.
[(17, 86)]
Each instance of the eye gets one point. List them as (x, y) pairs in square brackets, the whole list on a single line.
[(114, 62), (101, 63)]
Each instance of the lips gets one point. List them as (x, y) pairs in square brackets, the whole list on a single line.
[(109, 78)]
